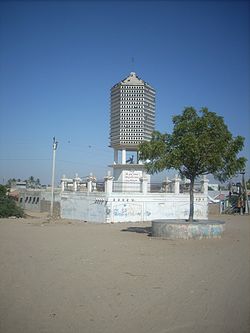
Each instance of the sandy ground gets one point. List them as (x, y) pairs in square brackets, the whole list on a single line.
[(68, 277)]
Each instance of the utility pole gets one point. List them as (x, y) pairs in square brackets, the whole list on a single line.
[(245, 196), (55, 143)]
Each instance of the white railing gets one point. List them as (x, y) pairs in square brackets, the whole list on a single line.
[(109, 185)]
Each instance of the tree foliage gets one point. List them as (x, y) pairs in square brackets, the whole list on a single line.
[(11, 182), (31, 182), (8, 206), (199, 145)]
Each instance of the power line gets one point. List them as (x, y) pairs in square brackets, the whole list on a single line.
[(24, 159)]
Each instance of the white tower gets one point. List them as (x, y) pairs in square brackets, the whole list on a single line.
[(132, 120)]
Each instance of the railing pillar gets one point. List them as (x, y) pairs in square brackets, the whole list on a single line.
[(90, 183), (176, 183), (144, 184), (63, 183), (166, 184), (108, 183), (204, 185), (76, 182)]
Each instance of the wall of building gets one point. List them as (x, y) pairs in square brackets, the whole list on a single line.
[(38, 200), (130, 207), (30, 199)]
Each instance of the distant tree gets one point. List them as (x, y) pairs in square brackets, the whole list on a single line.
[(11, 182), (248, 184), (8, 206), (30, 182), (198, 145)]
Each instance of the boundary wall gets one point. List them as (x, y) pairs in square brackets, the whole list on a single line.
[(130, 207), (125, 206)]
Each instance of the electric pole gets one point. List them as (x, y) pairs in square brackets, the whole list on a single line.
[(54, 147), (245, 196)]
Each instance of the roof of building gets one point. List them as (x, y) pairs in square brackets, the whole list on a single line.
[(132, 79)]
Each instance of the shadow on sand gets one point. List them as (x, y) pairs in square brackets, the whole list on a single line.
[(139, 230)]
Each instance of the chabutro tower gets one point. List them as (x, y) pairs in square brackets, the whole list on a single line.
[(132, 120), (128, 194)]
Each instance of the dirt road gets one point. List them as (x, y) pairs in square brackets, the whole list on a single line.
[(65, 277)]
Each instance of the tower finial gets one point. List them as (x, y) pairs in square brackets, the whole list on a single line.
[(132, 64)]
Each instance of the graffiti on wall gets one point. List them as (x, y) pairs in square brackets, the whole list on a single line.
[(125, 210)]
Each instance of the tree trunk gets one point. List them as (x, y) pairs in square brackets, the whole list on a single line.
[(191, 210)]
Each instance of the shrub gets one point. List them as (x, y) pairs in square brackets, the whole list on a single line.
[(8, 206)]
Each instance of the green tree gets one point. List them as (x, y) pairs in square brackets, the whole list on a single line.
[(3, 191), (198, 145), (8, 205), (30, 182), (11, 182)]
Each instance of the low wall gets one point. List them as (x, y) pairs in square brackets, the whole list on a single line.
[(178, 229), (130, 207), (214, 208), (45, 207), (84, 206)]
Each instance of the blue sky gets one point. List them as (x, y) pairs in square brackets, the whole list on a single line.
[(59, 59)]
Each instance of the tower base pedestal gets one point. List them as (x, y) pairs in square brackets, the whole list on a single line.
[(127, 177)]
